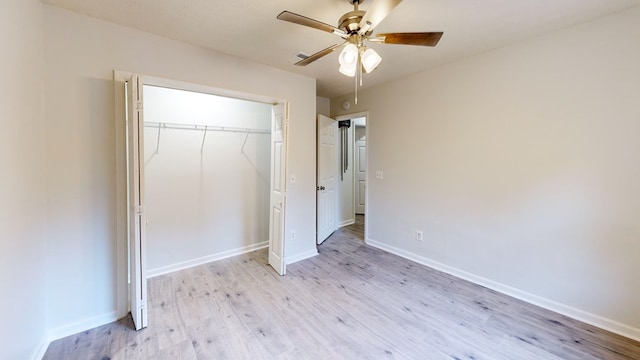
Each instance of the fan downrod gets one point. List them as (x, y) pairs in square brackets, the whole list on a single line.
[(350, 22), (355, 3)]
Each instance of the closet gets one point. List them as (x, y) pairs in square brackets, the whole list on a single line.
[(207, 171)]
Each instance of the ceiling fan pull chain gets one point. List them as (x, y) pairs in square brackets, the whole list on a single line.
[(356, 84)]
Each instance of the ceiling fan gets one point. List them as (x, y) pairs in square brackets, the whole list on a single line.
[(356, 27)]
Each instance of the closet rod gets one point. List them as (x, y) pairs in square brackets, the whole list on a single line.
[(205, 128)]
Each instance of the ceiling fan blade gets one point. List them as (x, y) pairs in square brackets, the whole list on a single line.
[(379, 10), (414, 38), (318, 55), (303, 20)]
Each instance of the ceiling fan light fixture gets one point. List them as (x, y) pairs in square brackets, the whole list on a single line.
[(348, 60), (356, 28), (370, 60), (349, 55), (348, 70)]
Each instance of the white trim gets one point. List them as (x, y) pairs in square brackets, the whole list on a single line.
[(360, 114), (301, 256), (122, 249), (205, 259), (347, 222), (581, 315), (82, 325)]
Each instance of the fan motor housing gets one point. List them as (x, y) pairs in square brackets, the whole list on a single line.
[(350, 22)]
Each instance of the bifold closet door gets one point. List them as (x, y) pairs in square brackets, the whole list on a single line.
[(279, 124), (137, 246)]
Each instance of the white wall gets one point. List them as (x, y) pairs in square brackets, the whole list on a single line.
[(81, 54), (22, 185), (323, 105), (168, 105), (204, 205), (521, 167)]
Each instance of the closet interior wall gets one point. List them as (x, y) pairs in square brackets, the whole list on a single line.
[(207, 170)]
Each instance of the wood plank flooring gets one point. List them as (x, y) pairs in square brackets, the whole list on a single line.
[(350, 302)]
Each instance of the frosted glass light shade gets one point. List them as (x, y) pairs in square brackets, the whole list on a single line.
[(349, 55), (370, 60), (349, 70), (348, 60)]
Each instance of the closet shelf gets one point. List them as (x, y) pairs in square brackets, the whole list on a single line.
[(204, 129), (159, 125)]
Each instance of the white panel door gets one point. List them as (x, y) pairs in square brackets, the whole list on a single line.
[(279, 124), (360, 168), (327, 177), (137, 246)]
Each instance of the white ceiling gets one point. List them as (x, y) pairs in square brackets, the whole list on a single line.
[(249, 29)]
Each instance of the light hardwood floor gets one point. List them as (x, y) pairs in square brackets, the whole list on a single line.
[(350, 302)]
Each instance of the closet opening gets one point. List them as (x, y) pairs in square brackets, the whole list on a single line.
[(206, 173), (341, 183), (201, 178)]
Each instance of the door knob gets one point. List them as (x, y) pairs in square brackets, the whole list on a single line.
[(320, 187)]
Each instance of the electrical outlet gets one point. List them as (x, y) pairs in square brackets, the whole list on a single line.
[(293, 235), (419, 235), (293, 179), (379, 174)]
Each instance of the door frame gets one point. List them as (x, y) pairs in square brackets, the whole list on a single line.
[(351, 116), (120, 77), (355, 180)]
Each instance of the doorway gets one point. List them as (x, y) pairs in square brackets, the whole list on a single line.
[(360, 165), (353, 188), (348, 163)]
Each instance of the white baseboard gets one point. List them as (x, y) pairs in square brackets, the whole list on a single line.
[(347, 222), (81, 325), (301, 256), (589, 318), (205, 259)]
